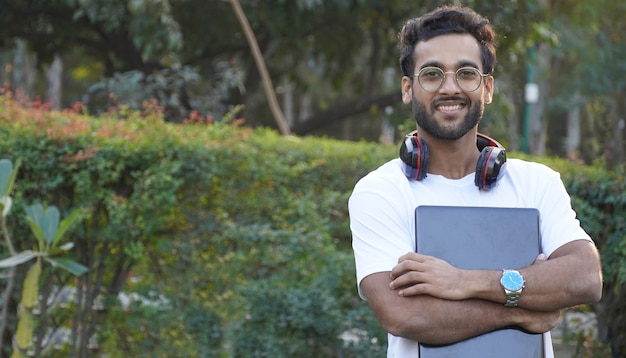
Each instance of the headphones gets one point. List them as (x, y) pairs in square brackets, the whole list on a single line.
[(414, 156)]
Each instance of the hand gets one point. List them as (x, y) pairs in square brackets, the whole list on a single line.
[(417, 274), (537, 321)]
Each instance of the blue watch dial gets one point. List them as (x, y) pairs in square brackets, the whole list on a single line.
[(512, 280)]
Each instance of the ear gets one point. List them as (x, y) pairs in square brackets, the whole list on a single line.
[(489, 89), (407, 90)]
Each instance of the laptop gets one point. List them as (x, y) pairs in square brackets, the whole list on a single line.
[(487, 238)]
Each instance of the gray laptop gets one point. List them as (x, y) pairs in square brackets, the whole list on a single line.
[(485, 238)]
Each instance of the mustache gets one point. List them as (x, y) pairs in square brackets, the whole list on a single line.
[(451, 98)]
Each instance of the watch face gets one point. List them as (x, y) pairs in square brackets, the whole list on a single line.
[(512, 280)]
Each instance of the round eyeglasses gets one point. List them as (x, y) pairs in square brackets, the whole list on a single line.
[(432, 78)]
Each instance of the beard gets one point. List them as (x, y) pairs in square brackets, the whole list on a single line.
[(428, 124)]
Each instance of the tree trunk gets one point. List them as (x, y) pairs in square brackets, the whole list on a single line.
[(24, 71), (287, 90), (54, 75), (572, 141), (507, 95), (615, 152), (538, 123)]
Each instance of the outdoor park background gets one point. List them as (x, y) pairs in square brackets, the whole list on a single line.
[(208, 232)]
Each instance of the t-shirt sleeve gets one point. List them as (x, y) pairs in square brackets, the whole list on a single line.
[(559, 224), (380, 225)]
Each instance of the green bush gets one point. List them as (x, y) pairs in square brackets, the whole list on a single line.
[(226, 241)]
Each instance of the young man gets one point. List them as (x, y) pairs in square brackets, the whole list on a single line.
[(447, 60)]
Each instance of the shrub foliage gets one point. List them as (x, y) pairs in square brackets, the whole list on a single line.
[(216, 240)]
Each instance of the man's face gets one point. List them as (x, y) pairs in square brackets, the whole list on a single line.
[(449, 112)]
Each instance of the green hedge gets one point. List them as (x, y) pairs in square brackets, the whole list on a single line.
[(229, 241)]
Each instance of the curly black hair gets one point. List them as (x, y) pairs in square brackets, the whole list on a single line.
[(442, 21)]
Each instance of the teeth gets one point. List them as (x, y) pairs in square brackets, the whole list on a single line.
[(455, 107)]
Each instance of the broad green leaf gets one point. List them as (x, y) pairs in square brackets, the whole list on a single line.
[(7, 176), (35, 212), (37, 232), (6, 168), (65, 225), (18, 259), (30, 291), (68, 265), (50, 223)]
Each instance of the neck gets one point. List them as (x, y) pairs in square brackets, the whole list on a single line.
[(453, 159)]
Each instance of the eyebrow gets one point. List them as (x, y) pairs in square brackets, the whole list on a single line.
[(460, 64)]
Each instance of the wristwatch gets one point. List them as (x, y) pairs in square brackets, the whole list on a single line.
[(513, 283)]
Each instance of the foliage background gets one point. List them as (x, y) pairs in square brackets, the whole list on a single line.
[(216, 240), (334, 64), (202, 236)]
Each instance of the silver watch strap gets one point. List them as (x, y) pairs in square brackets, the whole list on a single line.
[(512, 299)]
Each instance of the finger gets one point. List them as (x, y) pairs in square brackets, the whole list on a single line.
[(411, 256), (407, 263), (405, 280), (405, 270), (415, 290), (541, 257)]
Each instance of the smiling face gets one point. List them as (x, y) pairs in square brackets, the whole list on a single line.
[(449, 112)]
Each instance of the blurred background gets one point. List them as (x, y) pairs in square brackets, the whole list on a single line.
[(560, 78), (225, 241)]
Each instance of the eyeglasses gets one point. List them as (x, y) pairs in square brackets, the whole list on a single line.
[(432, 78)]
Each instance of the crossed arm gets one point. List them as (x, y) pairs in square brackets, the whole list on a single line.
[(426, 299)]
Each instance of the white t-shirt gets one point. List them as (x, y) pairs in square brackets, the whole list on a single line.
[(382, 208)]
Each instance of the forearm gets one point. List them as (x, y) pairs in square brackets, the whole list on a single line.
[(444, 322), (570, 277), (437, 321), (564, 280)]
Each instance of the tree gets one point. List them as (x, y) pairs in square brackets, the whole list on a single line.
[(333, 54), (333, 62), (585, 87)]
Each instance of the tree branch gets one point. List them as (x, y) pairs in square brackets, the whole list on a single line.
[(343, 111), (265, 77)]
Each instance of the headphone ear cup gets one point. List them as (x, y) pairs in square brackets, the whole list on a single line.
[(414, 156), (488, 167)]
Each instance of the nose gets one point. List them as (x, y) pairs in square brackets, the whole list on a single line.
[(449, 85)]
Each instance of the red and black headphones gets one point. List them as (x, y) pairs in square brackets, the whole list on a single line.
[(414, 156)]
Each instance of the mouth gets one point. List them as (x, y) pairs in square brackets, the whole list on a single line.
[(450, 106)]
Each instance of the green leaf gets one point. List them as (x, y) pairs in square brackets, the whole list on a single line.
[(37, 232), (50, 224), (6, 169), (7, 175), (47, 221), (35, 212), (65, 225), (67, 264), (18, 259)]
